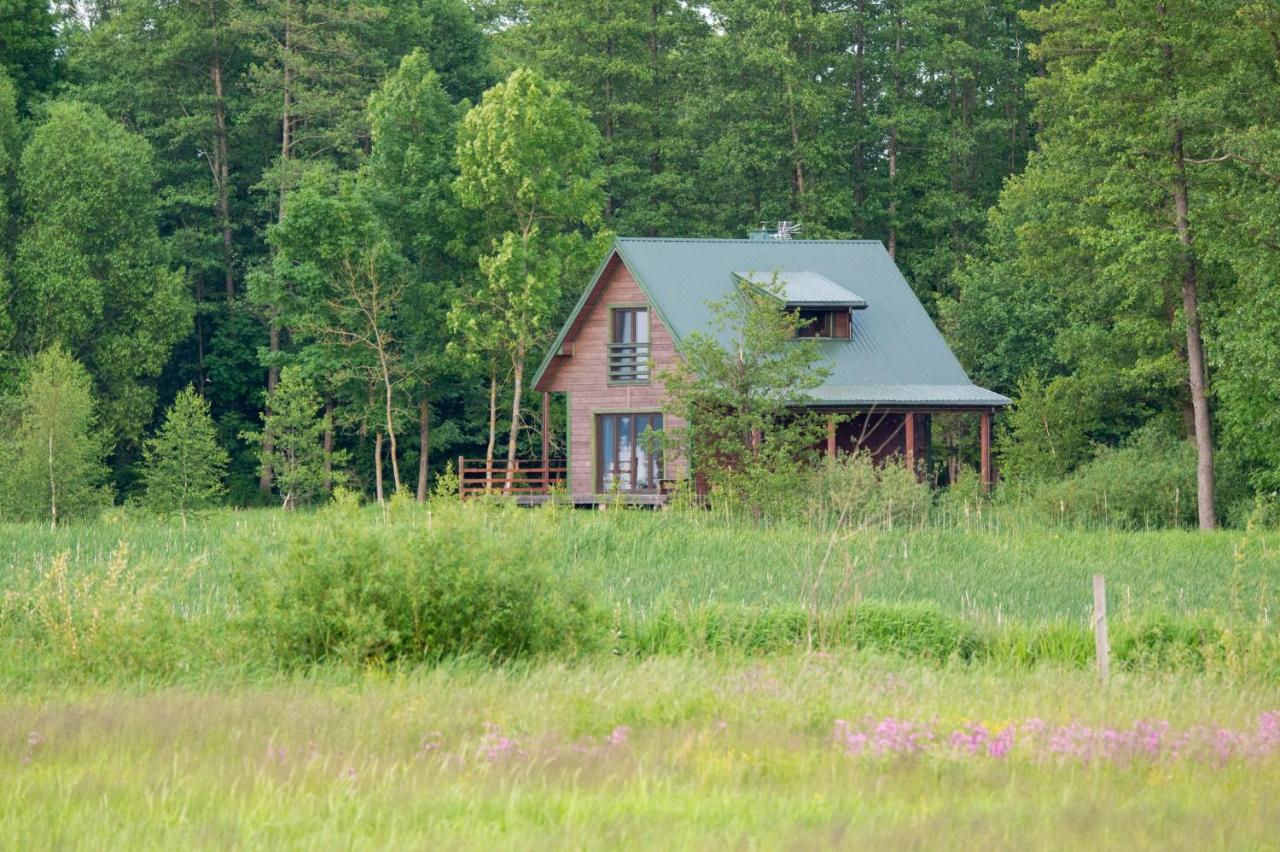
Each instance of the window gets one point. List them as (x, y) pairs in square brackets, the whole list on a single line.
[(824, 323), (629, 345), (627, 455), (814, 323)]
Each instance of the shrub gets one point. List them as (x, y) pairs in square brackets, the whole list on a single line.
[(348, 590), (856, 491), (1150, 482), (104, 624)]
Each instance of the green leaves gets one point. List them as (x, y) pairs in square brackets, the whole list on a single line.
[(91, 268), (186, 468), (51, 455)]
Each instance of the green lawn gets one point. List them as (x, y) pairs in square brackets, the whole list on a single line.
[(660, 753), (986, 570), (219, 746)]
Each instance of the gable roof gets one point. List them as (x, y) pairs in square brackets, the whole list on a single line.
[(896, 357), (805, 289)]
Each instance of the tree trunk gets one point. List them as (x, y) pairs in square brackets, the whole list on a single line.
[(1195, 345), (493, 428), (273, 378), (424, 446), (222, 178), (328, 445), (1196, 369), (377, 465), (518, 373), (859, 117), (388, 410), (273, 372), (892, 242), (53, 488)]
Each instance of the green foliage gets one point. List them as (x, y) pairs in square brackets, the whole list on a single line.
[(186, 466), (734, 390), (345, 590), (1149, 482), (1044, 432), (52, 452), (528, 165), (856, 492), (297, 427), (92, 270), (30, 57)]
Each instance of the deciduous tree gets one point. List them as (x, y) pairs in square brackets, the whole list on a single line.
[(53, 451)]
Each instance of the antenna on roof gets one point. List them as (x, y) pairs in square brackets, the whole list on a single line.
[(786, 230)]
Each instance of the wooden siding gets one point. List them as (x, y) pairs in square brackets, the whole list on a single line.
[(583, 375), (841, 329)]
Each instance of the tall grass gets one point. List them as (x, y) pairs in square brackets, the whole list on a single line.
[(991, 587), (689, 752)]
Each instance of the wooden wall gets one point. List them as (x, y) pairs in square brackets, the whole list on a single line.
[(583, 374)]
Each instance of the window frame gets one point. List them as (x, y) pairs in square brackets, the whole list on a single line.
[(599, 463), (642, 366)]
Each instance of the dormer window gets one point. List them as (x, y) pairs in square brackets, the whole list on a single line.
[(825, 308), (822, 322)]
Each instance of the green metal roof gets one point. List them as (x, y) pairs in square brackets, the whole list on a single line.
[(896, 357), (805, 289)]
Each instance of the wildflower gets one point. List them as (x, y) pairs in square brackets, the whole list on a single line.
[(619, 735), (495, 745)]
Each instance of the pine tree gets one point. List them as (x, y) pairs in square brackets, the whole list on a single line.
[(186, 467), (53, 463)]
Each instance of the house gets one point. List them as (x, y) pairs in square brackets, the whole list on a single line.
[(890, 369)]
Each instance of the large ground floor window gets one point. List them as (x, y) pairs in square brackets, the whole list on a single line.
[(627, 456)]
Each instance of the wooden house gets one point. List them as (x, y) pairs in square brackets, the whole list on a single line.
[(890, 369)]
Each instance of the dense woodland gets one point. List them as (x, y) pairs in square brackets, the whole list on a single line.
[(351, 228)]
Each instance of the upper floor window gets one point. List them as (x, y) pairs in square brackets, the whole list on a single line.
[(824, 322), (629, 345)]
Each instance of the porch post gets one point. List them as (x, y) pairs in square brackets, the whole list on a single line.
[(546, 437), (986, 448), (911, 441), (831, 436)]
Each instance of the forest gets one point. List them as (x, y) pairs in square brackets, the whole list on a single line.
[(307, 243)]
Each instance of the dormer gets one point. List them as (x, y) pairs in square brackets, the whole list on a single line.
[(825, 308)]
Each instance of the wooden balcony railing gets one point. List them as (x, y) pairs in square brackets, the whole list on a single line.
[(525, 478), (628, 362)]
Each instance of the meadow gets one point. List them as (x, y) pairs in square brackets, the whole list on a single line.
[(671, 679), (795, 750)]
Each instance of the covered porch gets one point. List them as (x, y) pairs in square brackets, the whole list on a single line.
[(886, 432)]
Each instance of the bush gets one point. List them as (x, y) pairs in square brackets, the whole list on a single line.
[(855, 491), (56, 621), (1150, 482), (352, 591)]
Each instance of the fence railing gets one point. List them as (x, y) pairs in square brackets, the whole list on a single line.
[(628, 362), (476, 476)]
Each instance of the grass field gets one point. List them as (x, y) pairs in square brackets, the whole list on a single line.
[(661, 753), (676, 743), (985, 569)]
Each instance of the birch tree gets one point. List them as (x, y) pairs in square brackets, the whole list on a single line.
[(528, 161)]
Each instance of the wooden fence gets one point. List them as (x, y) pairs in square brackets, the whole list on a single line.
[(524, 478)]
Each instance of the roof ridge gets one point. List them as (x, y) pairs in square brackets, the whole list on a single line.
[(740, 240)]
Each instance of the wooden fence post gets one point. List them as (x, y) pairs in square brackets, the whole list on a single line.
[(1102, 647)]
